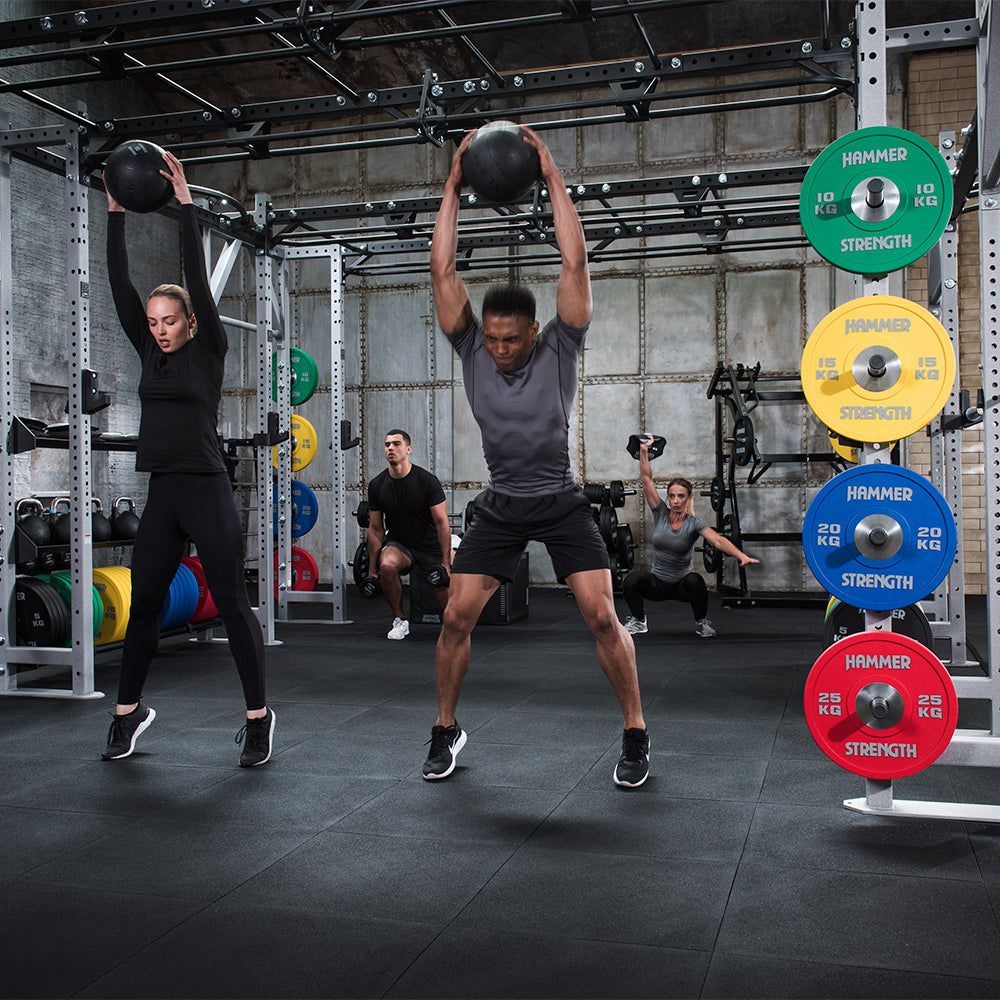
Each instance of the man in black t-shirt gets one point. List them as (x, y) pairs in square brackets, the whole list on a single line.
[(408, 523)]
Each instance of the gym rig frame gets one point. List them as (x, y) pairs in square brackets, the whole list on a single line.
[(391, 237)]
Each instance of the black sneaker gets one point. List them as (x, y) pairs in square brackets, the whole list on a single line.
[(633, 764), (258, 734), (445, 743), (125, 730)]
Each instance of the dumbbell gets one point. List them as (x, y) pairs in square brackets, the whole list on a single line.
[(437, 576), (371, 587), (656, 446)]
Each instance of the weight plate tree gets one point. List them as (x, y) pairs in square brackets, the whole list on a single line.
[(844, 619), (876, 200), (879, 537), (880, 705), (878, 368)]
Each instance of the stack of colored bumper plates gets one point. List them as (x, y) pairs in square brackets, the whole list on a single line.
[(182, 599), (205, 609), (115, 586), (62, 584)]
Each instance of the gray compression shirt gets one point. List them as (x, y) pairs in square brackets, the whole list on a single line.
[(524, 415)]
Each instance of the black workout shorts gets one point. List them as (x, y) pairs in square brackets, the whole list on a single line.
[(504, 525), (425, 558)]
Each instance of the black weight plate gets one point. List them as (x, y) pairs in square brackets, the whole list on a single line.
[(624, 546), (743, 440), (717, 495), (594, 492), (616, 493), (845, 619), (39, 614), (710, 556), (362, 514), (607, 522), (360, 563)]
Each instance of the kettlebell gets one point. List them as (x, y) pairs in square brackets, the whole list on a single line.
[(33, 524), (100, 526), (60, 522), (28, 518), (124, 523)]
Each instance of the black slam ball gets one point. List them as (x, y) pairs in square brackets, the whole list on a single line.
[(499, 164), (132, 176)]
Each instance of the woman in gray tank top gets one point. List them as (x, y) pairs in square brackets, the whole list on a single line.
[(675, 531)]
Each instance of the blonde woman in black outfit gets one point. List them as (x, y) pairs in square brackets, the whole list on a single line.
[(183, 359)]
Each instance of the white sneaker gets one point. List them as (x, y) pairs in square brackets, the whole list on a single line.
[(704, 629), (635, 625), (400, 629)]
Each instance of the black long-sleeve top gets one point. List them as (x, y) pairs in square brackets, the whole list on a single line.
[(180, 392)]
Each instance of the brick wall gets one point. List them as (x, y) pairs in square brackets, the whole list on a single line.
[(941, 96)]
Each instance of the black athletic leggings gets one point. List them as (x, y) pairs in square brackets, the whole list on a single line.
[(642, 584), (202, 507)]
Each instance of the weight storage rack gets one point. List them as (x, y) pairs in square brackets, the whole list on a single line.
[(736, 393)]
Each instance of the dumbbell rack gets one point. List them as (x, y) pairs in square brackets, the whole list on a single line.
[(736, 394), (606, 500)]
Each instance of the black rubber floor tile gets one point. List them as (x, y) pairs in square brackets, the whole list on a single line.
[(895, 922), (61, 941), (701, 697), (133, 787), (748, 978), (611, 821), (663, 902), (491, 967), (271, 796), (542, 729), (280, 952), (985, 839), (972, 784), (728, 738), (838, 839), (379, 757), (519, 765), (183, 854), (368, 692), (23, 778), (687, 776), (395, 878), (454, 809), (38, 836), (795, 740)]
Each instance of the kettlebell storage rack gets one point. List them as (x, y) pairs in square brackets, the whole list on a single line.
[(735, 390)]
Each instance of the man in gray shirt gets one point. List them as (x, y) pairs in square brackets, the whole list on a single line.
[(520, 384)]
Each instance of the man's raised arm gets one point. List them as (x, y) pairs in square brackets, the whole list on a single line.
[(573, 299), (451, 299)]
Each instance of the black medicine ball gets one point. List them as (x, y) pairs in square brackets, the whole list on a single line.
[(132, 176), (499, 164)]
